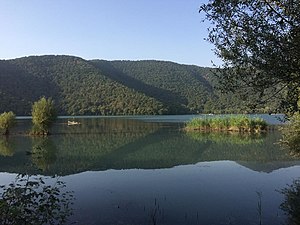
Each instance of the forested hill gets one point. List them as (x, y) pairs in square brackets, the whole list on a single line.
[(98, 87), (182, 88)]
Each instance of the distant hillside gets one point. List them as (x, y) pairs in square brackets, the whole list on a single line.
[(99, 87), (182, 88), (77, 87)]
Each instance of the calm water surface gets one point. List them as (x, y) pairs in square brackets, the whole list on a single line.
[(146, 170)]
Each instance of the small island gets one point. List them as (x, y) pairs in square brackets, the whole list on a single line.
[(236, 123)]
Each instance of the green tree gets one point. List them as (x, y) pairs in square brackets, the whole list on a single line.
[(259, 41), (43, 115), (7, 120)]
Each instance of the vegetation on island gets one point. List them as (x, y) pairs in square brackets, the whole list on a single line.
[(237, 123), (43, 115), (7, 120)]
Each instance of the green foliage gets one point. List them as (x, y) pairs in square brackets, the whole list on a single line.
[(291, 134), (43, 115), (239, 123), (259, 42), (291, 203), (7, 120), (29, 200), (162, 80)]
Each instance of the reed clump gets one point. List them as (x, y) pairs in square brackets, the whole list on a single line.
[(238, 123)]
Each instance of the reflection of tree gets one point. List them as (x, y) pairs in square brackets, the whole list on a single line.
[(31, 200), (5, 148), (291, 204), (43, 152)]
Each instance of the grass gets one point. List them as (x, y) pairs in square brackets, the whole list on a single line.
[(237, 123)]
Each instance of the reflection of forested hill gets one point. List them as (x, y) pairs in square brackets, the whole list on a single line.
[(98, 87), (103, 144), (268, 167)]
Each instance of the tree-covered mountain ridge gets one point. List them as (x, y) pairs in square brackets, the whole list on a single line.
[(101, 87)]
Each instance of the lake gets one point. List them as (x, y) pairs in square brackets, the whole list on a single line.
[(147, 170)]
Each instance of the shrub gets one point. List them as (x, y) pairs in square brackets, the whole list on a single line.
[(291, 134), (239, 123), (35, 200), (7, 120), (43, 115)]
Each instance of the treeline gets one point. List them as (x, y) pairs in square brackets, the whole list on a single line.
[(98, 87)]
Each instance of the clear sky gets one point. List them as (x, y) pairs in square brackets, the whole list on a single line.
[(106, 29)]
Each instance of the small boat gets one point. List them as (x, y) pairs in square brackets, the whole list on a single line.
[(70, 123)]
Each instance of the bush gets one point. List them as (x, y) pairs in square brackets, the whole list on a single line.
[(291, 134), (7, 120), (43, 115), (35, 200)]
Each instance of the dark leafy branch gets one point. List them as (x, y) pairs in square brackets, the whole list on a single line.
[(259, 43), (32, 200)]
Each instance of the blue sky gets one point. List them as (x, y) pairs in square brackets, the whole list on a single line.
[(106, 29)]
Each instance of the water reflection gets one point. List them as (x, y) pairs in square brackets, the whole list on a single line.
[(233, 138), (44, 200), (103, 125), (205, 193), (35, 200), (43, 152), (154, 173), (6, 149), (101, 144), (258, 148)]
